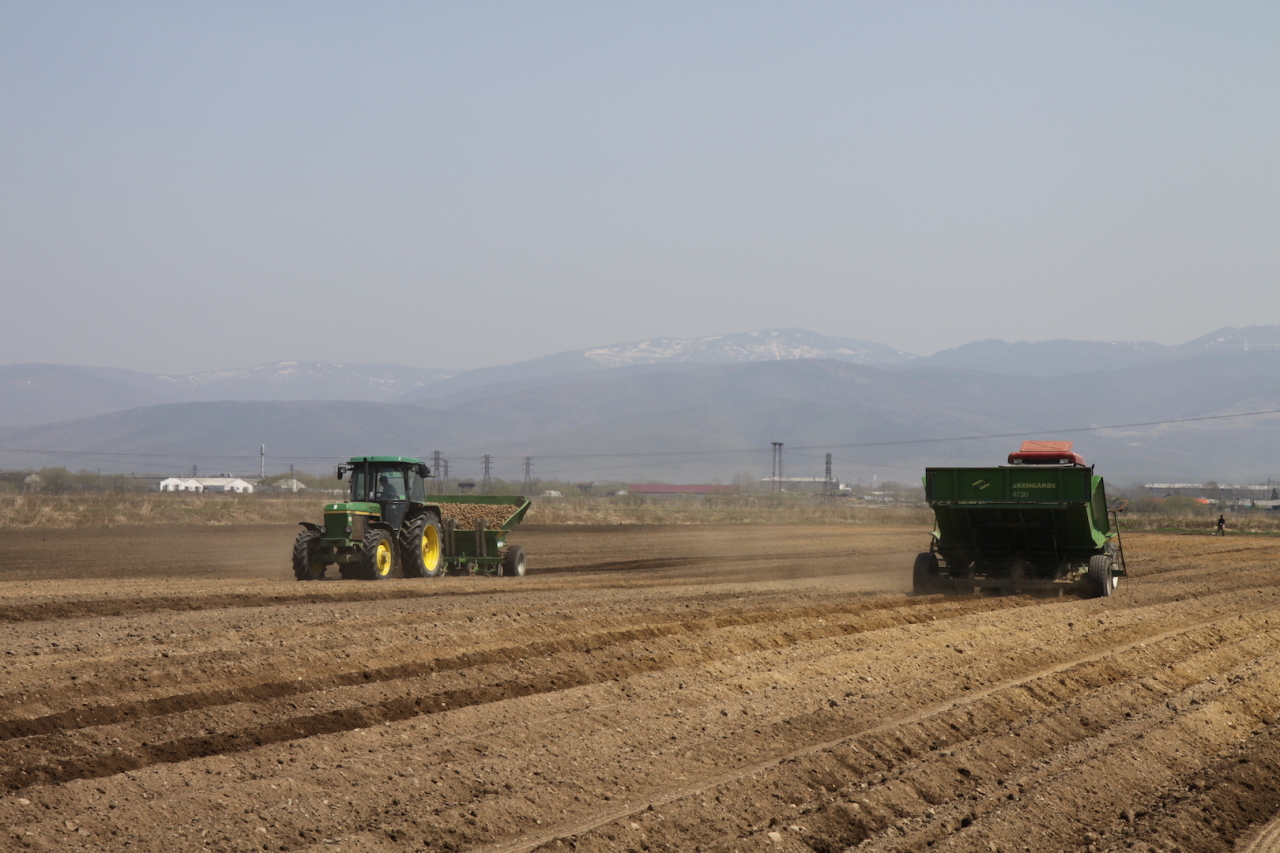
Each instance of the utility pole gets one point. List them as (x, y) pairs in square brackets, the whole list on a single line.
[(777, 466), (262, 467), (486, 485), (527, 485)]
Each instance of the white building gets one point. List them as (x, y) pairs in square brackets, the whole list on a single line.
[(206, 484), (803, 483), (180, 484), (225, 484)]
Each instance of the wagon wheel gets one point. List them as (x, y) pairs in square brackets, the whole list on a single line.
[(923, 574), (513, 562), (1101, 581)]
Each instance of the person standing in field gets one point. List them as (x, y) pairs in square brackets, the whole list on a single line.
[(1222, 526)]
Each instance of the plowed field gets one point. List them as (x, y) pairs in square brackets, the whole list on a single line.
[(691, 688)]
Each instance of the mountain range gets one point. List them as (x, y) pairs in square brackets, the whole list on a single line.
[(671, 409)]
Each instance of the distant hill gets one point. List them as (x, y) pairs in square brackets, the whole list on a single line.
[(47, 393), (1048, 358), (742, 348), (682, 421), (304, 380), (44, 393), (812, 403), (764, 345), (227, 435), (1064, 357)]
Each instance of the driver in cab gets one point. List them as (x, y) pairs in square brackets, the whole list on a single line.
[(387, 491)]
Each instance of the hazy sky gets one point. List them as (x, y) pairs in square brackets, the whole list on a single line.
[(189, 186)]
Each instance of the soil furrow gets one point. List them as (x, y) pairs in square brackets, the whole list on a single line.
[(886, 614), (656, 692), (880, 748), (62, 770)]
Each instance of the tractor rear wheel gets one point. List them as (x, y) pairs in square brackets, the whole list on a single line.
[(420, 550), (922, 574), (377, 555), (1101, 582), (304, 551), (513, 562)]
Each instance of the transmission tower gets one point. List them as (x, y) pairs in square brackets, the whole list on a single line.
[(444, 466), (828, 487), (486, 485), (527, 486), (438, 485)]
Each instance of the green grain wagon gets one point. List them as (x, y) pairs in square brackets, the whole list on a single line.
[(1039, 524), (480, 546)]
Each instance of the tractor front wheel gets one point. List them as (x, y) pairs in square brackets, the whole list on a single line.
[(304, 551), (377, 555), (420, 551)]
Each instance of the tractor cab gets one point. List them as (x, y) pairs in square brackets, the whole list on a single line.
[(392, 482), (1047, 453)]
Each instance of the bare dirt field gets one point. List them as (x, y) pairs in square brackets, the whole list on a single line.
[(643, 688)]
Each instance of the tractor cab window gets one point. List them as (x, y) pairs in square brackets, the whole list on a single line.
[(391, 486), (377, 483)]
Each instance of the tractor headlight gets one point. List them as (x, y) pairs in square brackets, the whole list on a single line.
[(348, 528)]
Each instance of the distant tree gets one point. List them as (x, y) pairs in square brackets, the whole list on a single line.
[(901, 492), (1146, 503), (56, 481), (1182, 505)]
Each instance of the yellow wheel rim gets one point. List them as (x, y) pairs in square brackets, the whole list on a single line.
[(382, 558), (430, 548)]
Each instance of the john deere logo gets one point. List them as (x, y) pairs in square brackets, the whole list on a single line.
[(980, 484)]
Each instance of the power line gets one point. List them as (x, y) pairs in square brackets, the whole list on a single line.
[(1055, 431), (148, 455)]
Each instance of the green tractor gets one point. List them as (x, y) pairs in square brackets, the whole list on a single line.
[(386, 523)]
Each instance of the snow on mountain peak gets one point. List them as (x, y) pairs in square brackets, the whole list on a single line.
[(761, 345)]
